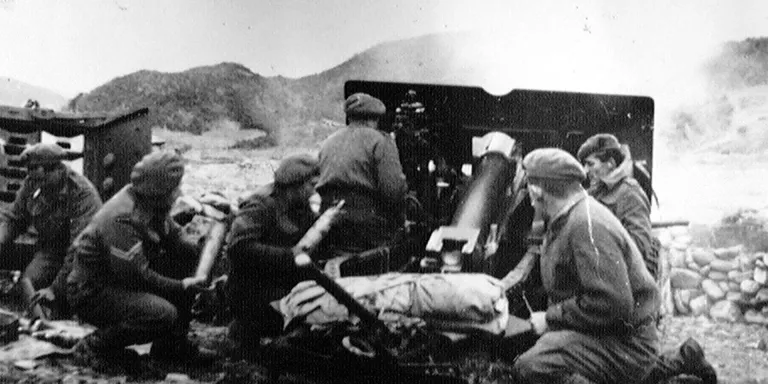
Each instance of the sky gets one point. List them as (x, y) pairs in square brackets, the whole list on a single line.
[(72, 46)]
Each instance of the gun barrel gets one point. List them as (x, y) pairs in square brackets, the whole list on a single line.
[(667, 224)]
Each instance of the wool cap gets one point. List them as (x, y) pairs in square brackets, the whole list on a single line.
[(597, 144), (554, 164), (363, 105), (296, 169), (158, 173), (40, 154)]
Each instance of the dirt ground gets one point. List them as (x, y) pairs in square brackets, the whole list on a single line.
[(696, 187)]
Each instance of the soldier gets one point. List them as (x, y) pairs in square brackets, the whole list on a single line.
[(129, 267), (609, 168), (57, 201), (269, 223), (599, 326), (360, 165)]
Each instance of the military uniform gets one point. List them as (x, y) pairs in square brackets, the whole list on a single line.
[(126, 273), (624, 196), (57, 214), (361, 165), (628, 202), (129, 266), (602, 299), (259, 248)]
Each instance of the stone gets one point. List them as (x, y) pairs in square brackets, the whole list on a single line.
[(717, 276), (724, 286), (702, 256), (712, 289), (750, 287), (682, 241), (699, 305), (764, 257), (177, 378), (746, 263), (725, 310), (704, 270), (728, 253), (684, 278), (665, 238), (734, 286), (724, 265), (734, 296), (760, 275), (754, 317), (739, 276), (762, 296), (681, 298), (677, 258)]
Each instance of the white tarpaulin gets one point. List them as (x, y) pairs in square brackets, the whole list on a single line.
[(447, 301)]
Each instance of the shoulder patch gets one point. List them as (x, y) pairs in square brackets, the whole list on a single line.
[(126, 255)]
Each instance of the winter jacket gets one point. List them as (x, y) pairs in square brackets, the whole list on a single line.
[(118, 247), (593, 273), (622, 194), (259, 247), (362, 159), (58, 217)]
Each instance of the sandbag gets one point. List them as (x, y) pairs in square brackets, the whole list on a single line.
[(448, 301)]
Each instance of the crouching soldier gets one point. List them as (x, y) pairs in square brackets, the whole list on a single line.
[(599, 326), (58, 202), (269, 223), (129, 267)]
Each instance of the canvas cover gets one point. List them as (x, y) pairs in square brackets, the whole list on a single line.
[(451, 302)]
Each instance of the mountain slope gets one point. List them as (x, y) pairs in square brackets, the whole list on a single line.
[(16, 93)]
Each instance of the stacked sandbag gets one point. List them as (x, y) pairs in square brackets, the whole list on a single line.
[(726, 284)]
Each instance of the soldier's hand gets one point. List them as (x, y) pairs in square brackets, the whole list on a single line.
[(43, 296), (539, 322), (195, 284)]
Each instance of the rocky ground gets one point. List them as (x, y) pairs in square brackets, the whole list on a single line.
[(696, 189)]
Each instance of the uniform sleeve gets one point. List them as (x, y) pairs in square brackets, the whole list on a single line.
[(392, 183), (246, 248), (605, 297), (125, 248), (16, 219), (84, 207), (59, 282), (633, 210)]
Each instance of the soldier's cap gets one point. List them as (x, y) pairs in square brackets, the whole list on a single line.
[(553, 164), (363, 105), (158, 173), (296, 169), (598, 144), (42, 154)]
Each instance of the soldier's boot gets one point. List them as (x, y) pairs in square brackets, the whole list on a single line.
[(88, 353), (695, 364), (182, 350)]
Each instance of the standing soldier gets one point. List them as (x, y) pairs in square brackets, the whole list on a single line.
[(360, 165), (57, 201), (129, 270), (270, 222)]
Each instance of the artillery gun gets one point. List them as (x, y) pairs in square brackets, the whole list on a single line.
[(467, 208)]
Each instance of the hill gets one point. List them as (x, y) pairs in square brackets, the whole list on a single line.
[(734, 116), (16, 93), (202, 98), (305, 110)]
